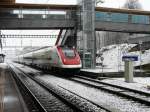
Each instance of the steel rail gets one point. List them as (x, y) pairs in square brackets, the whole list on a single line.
[(135, 95), (19, 81)]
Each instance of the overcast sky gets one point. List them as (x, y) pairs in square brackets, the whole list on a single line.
[(108, 3), (119, 3)]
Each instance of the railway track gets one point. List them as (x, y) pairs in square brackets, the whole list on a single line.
[(135, 95), (40, 91), (120, 103), (30, 99)]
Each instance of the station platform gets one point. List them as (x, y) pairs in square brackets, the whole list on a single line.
[(141, 80), (139, 83), (10, 97), (109, 72)]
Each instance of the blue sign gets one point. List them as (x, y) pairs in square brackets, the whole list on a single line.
[(130, 58)]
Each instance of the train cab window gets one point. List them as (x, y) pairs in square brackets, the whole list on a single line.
[(69, 52)]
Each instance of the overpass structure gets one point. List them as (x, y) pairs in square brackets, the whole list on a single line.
[(84, 17), (35, 16)]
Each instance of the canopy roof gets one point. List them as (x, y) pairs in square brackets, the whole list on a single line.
[(7, 1)]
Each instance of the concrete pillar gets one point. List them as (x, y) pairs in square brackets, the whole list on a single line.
[(87, 17), (128, 71)]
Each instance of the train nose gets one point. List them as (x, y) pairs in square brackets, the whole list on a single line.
[(65, 60)]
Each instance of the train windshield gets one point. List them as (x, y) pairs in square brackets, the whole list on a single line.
[(69, 53)]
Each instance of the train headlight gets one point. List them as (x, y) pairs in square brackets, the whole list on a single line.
[(64, 60), (78, 60)]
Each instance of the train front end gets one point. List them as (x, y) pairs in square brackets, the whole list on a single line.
[(70, 58)]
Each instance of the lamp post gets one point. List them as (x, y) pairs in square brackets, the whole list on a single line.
[(140, 46), (102, 59)]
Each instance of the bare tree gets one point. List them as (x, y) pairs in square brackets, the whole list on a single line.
[(97, 2), (132, 4)]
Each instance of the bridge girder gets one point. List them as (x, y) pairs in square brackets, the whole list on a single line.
[(36, 24), (69, 7), (26, 23)]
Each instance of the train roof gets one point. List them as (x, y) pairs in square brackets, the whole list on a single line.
[(36, 49)]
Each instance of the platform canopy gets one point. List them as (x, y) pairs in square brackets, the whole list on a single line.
[(7, 1)]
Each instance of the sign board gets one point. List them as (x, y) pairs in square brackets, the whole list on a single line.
[(130, 58)]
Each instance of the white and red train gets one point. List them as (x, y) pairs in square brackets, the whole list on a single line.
[(56, 57)]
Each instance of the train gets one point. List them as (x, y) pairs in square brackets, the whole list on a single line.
[(52, 58)]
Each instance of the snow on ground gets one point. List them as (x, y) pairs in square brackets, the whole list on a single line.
[(97, 96), (113, 63), (139, 83), (113, 56), (101, 70)]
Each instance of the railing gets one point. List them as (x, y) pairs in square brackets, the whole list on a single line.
[(27, 40), (29, 36), (122, 18), (51, 14)]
